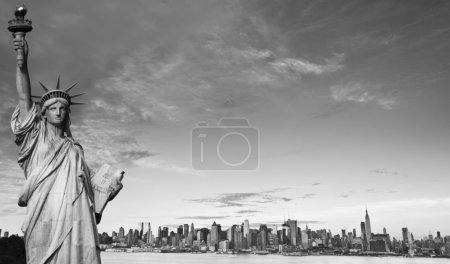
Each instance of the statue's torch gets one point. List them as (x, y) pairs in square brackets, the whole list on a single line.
[(19, 27)]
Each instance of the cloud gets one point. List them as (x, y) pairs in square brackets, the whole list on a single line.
[(362, 93), (344, 195), (248, 211), (315, 183), (243, 199), (153, 162), (308, 196), (201, 217), (384, 171), (306, 67), (372, 190)]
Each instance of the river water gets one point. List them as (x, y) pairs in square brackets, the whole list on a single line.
[(207, 258)]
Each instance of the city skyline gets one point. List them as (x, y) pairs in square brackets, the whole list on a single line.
[(350, 99), (365, 227)]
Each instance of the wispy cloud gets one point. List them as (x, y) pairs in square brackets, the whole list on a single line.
[(202, 217), (362, 93), (242, 199), (384, 171), (248, 211), (302, 66), (308, 196), (165, 165)]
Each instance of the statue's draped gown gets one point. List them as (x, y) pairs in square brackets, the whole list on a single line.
[(60, 225)]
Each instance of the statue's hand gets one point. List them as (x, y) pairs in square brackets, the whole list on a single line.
[(21, 44), (115, 188), (21, 202)]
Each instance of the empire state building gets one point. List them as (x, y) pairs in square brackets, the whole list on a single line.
[(368, 230)]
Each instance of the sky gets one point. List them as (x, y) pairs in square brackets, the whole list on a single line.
[(347, 104)]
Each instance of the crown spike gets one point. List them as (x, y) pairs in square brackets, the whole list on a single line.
[(57, 84), (44, 87), (70, 88), (76, 95)]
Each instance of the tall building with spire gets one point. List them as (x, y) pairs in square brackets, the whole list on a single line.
[(368, 230)]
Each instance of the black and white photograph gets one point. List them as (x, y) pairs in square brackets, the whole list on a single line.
[(225, 131)]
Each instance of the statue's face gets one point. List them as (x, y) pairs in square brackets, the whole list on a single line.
[(56, 114)]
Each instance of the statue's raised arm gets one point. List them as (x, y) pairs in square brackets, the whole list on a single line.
[(19, 27), (23, 79)]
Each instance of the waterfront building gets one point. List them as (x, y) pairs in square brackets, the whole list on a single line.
[(246, 228), (214, 235), (199, 235), (384, 237), (185, 230), (405, 234), (238, 235), (136, 236), (378, 245), (252, 239), (121, 233), (304, 238), (224, 246), (357, 244), (263, 235), (165, 232), (130, 238), (140, 230), (292, 231), (149, 233)]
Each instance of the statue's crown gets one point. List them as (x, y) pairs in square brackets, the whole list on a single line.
[(58, 93)]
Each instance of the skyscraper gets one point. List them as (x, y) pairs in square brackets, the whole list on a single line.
[(149, 233), (130, 238), (140, 229), (363, 231), (214, 235), (121, 233), (292, 231), (246, 228), (368, 229), (405, 234), (186, 230)]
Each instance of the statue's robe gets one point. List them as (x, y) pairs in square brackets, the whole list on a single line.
[(60, 224)]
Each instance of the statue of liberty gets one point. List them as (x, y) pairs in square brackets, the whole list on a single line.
[(61, 222)]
